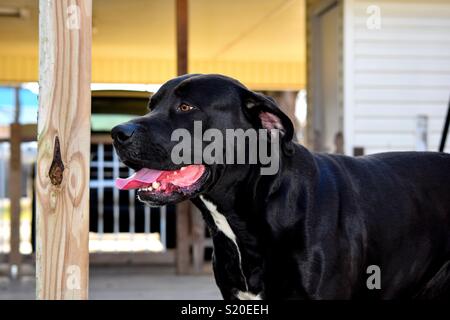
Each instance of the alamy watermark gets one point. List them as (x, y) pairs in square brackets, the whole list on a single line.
[(374, 280), (73, 17), (373, 21), (239, 146)]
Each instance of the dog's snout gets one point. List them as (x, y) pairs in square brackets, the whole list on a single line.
[(123, 132)]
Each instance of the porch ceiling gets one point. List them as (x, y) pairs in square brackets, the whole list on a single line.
[(261, 42)]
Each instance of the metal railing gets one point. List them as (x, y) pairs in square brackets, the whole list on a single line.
[(25, 246), (122, 229), (128, 234)]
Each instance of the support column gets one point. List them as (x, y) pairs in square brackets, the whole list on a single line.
[(183, 256), (62, 175)]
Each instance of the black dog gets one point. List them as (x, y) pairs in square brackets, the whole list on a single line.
[(310, 231)]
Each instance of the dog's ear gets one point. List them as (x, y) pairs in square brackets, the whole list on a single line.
[(264, 112)]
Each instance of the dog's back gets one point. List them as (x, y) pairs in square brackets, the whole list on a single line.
[(402, 201)]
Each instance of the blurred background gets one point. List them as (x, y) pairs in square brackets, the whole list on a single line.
[(356, 77)]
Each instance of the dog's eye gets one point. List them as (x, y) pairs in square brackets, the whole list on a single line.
[(185, 107)]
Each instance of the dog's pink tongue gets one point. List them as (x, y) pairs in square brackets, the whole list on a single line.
[(139, 179)]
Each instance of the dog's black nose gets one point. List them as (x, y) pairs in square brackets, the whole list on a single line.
[(123, 132)]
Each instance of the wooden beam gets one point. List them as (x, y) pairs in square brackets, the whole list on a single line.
[(24, 258), (15, 189), (198, 240), (183, 260), (62, 178), (28, 133), (182, 36), (101, 138), (183, 255)]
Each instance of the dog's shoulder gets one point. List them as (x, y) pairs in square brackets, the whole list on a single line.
[(418, 167), (405, 159)]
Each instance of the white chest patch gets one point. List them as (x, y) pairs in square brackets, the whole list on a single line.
[(248, 296), (220, 220), (223, 225)]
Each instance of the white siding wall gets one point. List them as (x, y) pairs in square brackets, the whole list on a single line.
[(394, 74)]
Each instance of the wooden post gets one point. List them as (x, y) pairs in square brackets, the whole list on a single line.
[(183, 209), (182, 36), (198, 240), (15, 189), (183, 256), (15, 174), (62, 181)]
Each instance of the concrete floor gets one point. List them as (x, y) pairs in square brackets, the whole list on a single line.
[(117, 283)]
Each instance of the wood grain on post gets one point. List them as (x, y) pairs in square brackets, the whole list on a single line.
[(62, 175)]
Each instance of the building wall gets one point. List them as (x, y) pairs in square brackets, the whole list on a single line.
[(324, 81), (395, 75)]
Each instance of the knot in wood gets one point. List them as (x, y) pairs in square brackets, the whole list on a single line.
[(57, 167)]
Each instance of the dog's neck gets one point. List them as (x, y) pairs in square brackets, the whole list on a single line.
[(243, 191), (237, 207)]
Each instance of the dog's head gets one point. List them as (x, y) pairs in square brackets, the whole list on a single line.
[(206, 108)]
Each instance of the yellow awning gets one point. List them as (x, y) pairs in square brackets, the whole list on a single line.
[(259, 42)]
